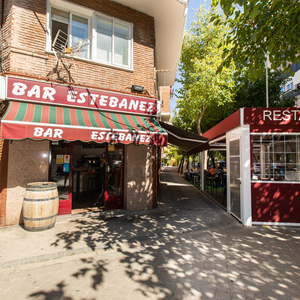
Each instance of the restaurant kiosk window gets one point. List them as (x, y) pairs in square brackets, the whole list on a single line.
[(275, 157)]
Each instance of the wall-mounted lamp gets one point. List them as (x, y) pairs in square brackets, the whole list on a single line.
[(137, 88)]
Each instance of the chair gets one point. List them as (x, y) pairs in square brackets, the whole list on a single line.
[(187, 176), (218, 183), (209, 182), (196, 179)]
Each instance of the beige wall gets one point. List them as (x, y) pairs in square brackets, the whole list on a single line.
[(165, 95), (165, 109), (28, 162), (138, 178)]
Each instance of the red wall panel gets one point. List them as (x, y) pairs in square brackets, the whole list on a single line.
[(275, 202)]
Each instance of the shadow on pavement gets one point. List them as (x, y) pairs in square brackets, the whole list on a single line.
[(191, 250)]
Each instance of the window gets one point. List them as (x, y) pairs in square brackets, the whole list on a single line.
[(75, 27), (79, 34), (113, 42), (296, 67), (275, 157), (107, 40), (290, 86)]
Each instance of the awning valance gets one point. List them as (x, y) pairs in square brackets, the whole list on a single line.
[(183, 139), (26, 120)]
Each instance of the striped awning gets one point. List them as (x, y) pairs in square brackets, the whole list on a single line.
[(26, 120)]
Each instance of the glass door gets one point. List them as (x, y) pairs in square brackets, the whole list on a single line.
[(114, 177), (60, 174), (235, 178)]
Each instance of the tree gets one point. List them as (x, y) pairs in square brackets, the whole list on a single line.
[(249, 93), (259, 28), (201, 86), (253, 93), (172, 155)]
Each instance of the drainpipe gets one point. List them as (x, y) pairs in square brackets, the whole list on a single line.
[(1, 35), (2, 14)]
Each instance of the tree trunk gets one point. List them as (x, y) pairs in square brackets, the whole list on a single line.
[(187, 164), (200, 119), (180, 169), (211, 155)]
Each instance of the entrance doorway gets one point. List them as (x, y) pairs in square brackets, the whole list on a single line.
[(88, 173), (235, 178), (114, 190), (60, 173), (89, 176)]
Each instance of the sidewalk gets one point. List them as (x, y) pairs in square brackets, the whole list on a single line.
[(186, 249), (95, 231)]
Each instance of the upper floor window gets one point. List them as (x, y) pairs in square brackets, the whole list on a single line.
[(106, 40), (112, 42), (75, 27), (290, 86)]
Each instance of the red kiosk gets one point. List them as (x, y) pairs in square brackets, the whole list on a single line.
[(263, 164)]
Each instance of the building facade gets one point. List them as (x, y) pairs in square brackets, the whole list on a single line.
[(79, 88), (292, 86), (165, 101)]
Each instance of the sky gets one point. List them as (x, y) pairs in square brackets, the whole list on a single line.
[(192, 6)]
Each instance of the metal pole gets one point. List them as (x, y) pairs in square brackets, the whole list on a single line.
[(267, 84), (202, 171)]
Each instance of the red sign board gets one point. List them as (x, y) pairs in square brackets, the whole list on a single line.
[(272, 116), (59, 94)]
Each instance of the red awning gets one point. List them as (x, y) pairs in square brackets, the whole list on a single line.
[(34, 121)]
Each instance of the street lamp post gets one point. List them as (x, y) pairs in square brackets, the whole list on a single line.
[(267, 84)]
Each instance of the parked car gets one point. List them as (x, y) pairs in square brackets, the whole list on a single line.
[(256, 168), (277, 171)]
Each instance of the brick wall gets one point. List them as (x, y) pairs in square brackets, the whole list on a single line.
[(27, 55), (6, 34)]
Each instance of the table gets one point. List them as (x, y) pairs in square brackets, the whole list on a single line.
[(195, 177)]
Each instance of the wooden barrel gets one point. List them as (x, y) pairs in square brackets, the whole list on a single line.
[(40, 206)]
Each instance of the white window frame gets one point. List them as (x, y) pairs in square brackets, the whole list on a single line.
[(92, 32), (71, 13), (284, 163), (130, 41)]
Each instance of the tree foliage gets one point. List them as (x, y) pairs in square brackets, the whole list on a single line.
[(173, 154), (201, 85), (258, 28), (203, 94), (253, 93)]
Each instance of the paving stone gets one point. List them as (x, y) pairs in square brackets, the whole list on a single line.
[(61, 254), (31, 260), (175, 254)]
